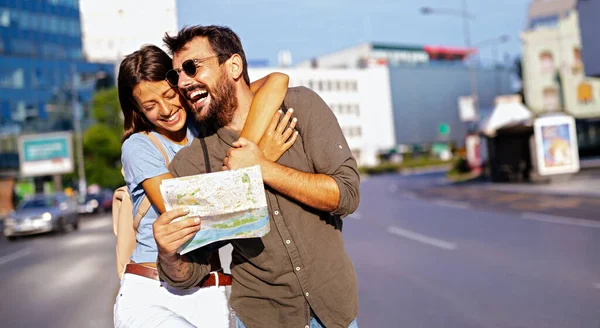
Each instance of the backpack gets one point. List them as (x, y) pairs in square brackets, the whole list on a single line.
[(125, 225)]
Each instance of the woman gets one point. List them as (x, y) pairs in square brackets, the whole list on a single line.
[(150, 104)]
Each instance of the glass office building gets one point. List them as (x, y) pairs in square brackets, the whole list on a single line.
[(42, 69)]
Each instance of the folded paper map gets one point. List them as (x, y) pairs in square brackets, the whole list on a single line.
[(230, 204)]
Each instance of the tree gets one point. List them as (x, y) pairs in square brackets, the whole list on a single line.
[(102, 141)]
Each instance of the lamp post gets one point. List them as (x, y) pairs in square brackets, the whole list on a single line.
[(76, 110), (464, 14), (494, 42)]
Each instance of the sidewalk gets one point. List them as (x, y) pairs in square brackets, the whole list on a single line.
[(585, 183)]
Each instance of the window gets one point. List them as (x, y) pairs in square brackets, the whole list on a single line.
[(357, 110), (338, 85), (310, 84), (320, 86), (551, 99), (547, 62), (4, 17), (577, 62)]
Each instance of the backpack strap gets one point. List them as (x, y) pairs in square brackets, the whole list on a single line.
[(205, 153), (145, 205)]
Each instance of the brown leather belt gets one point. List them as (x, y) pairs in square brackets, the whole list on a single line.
[(152, 273)]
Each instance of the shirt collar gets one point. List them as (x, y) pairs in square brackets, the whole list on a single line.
[(228, 136)]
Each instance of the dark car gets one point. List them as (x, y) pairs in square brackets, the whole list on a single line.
[(42, 213), (97, 203)]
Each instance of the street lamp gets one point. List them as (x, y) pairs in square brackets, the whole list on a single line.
[(464, 14)]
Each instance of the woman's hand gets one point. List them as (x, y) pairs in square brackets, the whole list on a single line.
[(279, 137)]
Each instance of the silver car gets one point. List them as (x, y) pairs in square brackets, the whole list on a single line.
[(42, 213)]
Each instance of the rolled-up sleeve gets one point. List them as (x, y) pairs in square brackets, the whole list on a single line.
[(200, 261), (348, 181), (327, 148)]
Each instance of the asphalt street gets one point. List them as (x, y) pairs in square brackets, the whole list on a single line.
[(422, 260)]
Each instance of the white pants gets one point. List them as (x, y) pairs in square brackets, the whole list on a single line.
[(143, 302)]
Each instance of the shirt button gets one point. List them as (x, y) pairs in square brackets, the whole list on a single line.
[(297, 268), (307, 294), (276, 212), (288, 241)]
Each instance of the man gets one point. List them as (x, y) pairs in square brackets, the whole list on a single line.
[(299, 274)]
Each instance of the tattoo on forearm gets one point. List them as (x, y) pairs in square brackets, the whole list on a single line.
[(178, 270)]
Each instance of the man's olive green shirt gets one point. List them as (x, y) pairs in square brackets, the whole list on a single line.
[(301, 264)]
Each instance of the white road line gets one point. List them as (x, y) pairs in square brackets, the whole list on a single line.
[(422, 238), (560, 220), (452, 203), (15, 255), (393, 188), (409, 195)]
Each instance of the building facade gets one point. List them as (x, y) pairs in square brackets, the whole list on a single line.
[(42, 69), (114, 28), (554, 78), (360, 100), (425, 84)]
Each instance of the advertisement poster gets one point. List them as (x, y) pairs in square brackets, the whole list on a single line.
[(473, 145), (556, 145), (45, 154)]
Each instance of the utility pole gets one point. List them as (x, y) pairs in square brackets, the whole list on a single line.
[(471, 68), (76, 108)]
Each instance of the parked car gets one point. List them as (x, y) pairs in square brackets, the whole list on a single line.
[(42, 213), (96, 203)]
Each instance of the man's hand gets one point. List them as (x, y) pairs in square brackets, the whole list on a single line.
[(243, 154), (170, 236)]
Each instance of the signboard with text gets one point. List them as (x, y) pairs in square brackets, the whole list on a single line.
[(45, 154)]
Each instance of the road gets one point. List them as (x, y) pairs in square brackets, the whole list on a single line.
[(421, 260), (60, 280), (425, 262)]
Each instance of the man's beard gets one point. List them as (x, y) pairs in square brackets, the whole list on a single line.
[(223, 104)]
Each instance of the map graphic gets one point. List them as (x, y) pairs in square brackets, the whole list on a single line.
[(230, 204)]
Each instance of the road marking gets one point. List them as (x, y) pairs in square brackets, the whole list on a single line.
[(560, 220), (409, 195), (15, 255), (393, 188), (422, 238), (452, 203)]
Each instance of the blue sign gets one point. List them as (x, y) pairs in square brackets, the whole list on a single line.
[(45, 149)]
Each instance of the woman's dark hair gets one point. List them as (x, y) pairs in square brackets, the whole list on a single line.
[(150, 64)]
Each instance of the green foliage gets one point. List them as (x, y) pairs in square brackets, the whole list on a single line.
[(102, 153), (107, 111), (102, 141)]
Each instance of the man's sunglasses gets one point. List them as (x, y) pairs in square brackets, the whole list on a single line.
[(189, 67)]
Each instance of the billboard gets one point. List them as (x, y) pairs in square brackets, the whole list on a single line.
[(556, 145), (45, 154)]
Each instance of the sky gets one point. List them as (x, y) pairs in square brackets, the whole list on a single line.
[(309, 28)]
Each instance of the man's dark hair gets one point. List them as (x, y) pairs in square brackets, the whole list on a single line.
[(223, 41)]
